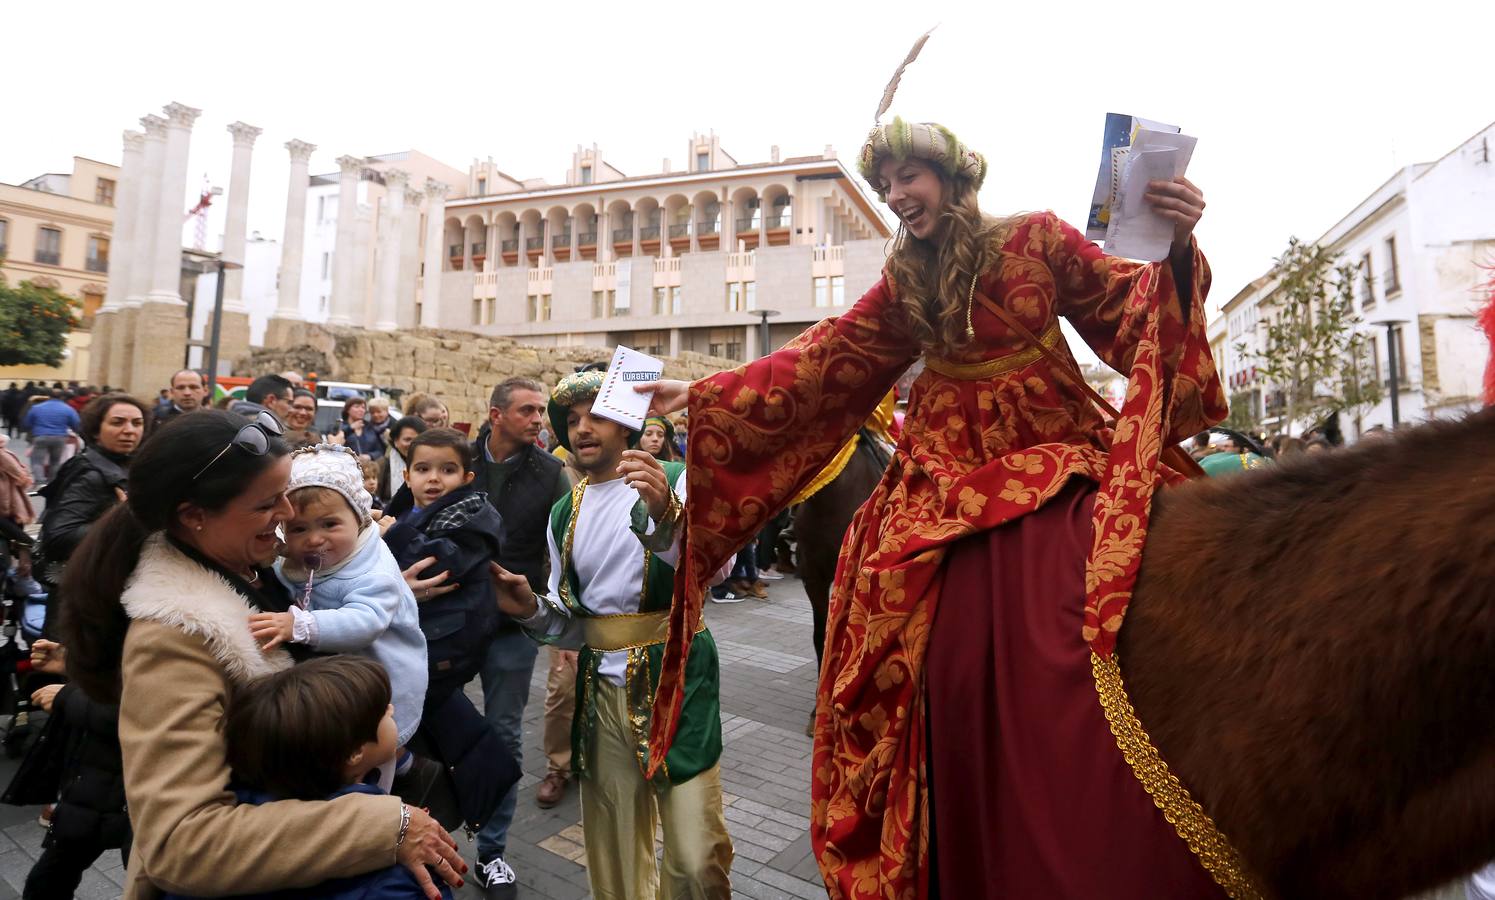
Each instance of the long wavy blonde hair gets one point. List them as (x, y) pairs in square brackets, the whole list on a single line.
[(932, 279)]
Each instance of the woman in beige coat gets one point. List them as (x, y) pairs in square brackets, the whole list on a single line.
[(156, 618)]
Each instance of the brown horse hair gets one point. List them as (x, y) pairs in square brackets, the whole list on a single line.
[(1312, 648)]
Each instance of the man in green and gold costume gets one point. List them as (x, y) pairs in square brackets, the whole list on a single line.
[(614, 543)]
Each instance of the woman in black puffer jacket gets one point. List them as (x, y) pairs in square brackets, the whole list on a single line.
[(89, 484)]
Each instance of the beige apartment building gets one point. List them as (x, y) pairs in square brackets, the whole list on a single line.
[(55, 231), (682, 260)]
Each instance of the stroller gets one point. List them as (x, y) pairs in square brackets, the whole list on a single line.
[(23, 615)]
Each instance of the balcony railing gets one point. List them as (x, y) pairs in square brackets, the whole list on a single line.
[(705, 228), (534, 243), (479, 249), (454, 251), (48, 257), (97, 265), (748, 224), (622, 234), (649, 233), (586, 238), (776, 222), (510, 246), (680, 231), (560, 240)]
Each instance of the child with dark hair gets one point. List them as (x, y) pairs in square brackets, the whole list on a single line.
[(446, 517), (317, 731)]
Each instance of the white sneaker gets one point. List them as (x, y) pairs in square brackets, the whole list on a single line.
[(496, 878), (770, 575)]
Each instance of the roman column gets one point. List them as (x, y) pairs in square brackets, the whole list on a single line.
[(409, 258), (166, 267), (293, 244), (430, 304), (148, 199), (121, 256), (235, 223), (386, 288), (345, 275)]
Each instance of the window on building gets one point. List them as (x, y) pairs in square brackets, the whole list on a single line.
[(477, 312), (103, 191), (4, 236), (703, 162), (838, 290), (49, 246), (782, 212), (613, 309), (482, 186), (822, 291), (98, 254), (1401, 357), (544, 307), (750, 290), (532, 308), (675, 300), (599, 304), (653, 343), (734, 296), (586, 174), (454, 252), (1393, 279), (725, 342), (660, 295), (1367, 283), (322, 303), (326, 266), (92, 300), (1375, 357)]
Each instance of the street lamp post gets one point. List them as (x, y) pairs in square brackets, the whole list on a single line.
[(1394, 360), (222, 266), (765, 343)]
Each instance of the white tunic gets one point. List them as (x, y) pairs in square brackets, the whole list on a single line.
[(609, 564)]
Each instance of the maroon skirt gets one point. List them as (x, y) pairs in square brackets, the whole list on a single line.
[(1031, 797)]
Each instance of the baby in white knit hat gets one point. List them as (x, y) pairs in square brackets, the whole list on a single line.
[(349, 592)]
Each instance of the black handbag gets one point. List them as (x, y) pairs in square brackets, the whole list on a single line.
[(478, 769), (39, 777)]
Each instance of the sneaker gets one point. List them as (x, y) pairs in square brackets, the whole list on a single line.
[(44, 819), (551, 790), (497, 879), (728, 597), (769, 575)]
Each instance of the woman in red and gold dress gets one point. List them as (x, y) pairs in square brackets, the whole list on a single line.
[(961, 747)]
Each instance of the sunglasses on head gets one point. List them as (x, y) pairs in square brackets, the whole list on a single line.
[(253, 438)]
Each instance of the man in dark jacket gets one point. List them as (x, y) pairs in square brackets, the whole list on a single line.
[(187, 394), (267, 392), (522, 482)]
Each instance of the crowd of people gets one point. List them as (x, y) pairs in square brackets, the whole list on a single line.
[(227, 577)]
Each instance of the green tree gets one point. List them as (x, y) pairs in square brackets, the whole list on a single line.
[(1311, 349), (34, 324)]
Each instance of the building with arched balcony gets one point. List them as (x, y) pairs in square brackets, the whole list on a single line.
[(682, 259)]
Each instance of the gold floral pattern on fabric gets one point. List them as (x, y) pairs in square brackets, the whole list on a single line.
[(1182, 811), (974, 454)]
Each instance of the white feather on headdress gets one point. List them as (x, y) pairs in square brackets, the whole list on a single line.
[(892, 88)]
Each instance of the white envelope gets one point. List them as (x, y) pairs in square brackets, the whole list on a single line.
[(617, 400)]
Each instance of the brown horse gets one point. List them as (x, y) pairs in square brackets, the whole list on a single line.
[(820, 524), (1312, 648)]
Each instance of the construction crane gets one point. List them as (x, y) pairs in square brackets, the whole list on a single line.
[(200, 212)]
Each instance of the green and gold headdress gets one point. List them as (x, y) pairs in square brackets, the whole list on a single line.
[(569, 391), (928, 141)]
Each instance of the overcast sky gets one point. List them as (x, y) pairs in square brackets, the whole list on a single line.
[(1301, 108)]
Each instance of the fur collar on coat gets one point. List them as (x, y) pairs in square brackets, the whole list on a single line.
[(169, 588)]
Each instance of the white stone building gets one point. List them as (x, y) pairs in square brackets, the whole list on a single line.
[(1421, 243), (679, 260)]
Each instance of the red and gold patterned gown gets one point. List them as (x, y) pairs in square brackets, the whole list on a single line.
[(990, 437)]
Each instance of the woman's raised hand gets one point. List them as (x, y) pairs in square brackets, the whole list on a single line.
[(426, 843), (670, 396), (1180, 202)]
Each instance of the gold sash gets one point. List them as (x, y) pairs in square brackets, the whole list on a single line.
[(627, 631)]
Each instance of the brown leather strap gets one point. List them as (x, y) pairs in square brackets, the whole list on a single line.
[(1174, 456)]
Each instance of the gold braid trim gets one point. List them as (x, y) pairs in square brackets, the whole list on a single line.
[(829, 473), (572, 603), (991, 368), (1187, 817)]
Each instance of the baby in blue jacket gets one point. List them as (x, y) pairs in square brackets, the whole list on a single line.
[(350, 596), (279, 752)]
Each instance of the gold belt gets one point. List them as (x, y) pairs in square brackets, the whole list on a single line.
[(993, 367), (628, 631)]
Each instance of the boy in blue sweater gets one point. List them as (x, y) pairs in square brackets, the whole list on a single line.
[(317, 731), (350, 595)]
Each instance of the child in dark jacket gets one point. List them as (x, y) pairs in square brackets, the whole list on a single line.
[(317, 731), (439, 514)]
